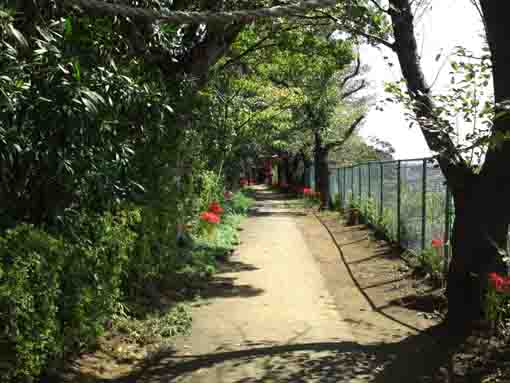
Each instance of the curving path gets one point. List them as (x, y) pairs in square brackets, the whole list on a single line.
[(284, 309)]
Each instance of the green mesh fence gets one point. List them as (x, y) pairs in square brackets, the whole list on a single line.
[(407, 199)]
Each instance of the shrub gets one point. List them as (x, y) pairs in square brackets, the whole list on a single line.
[(56, 294), (227, 235), (30, 287), (239, 204), (93, 271), (497, 303)]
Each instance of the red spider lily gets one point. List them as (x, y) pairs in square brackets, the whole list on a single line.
[(209, 217), (437, 243), (215, 208), (501, 284), (307, 191)]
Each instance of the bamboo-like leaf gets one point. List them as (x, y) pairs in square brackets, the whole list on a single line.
[(17, 35)]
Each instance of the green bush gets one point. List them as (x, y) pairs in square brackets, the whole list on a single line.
[(30, 288), (239, 204), (227, 236), (93, 271), (56, 295)]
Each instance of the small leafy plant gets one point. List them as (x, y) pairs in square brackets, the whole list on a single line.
[(497, 303)]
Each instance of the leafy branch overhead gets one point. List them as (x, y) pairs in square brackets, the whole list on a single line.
[(216, 17)]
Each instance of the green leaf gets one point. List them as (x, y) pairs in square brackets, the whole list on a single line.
[(68, 27), (17, 35), (167, 107), (76, 71)]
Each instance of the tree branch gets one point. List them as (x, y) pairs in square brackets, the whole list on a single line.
[(353, 74), (348, 134), (179, 17), (355, 90), (379, 6), (359, 32)]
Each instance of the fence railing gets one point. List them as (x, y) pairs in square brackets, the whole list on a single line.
[(408, 199)]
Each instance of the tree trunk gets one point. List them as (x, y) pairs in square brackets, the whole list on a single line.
[(483, 211), (480, 227), (481, 205), (287, 170), (295, 167), (306, 173), (322, 171)]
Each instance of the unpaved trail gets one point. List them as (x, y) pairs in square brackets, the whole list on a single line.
[(286, 310)]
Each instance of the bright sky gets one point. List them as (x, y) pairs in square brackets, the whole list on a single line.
[(448, 24)]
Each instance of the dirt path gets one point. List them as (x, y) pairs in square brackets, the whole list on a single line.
[(286, 310)]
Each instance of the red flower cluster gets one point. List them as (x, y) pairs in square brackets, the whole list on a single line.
[(215, 208), (307, 191), (437, 243), (500, 283), (209, 217)]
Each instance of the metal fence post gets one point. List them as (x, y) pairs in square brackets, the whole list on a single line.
[(398, 200), (424, 205), (369, 182), (338, 187), (381, 180), (352, 182), (345, 186), (359, 179)]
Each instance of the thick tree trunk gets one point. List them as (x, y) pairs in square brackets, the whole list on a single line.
[(294, 170), (479, 229), (322, 171), (481, 207), (287, 169), (306, 173)]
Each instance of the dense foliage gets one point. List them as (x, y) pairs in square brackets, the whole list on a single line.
[(97, 192)]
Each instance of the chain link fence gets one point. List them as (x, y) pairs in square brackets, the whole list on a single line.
[(407, 199)]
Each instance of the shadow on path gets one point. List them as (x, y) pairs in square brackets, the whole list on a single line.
[(416, 359)]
